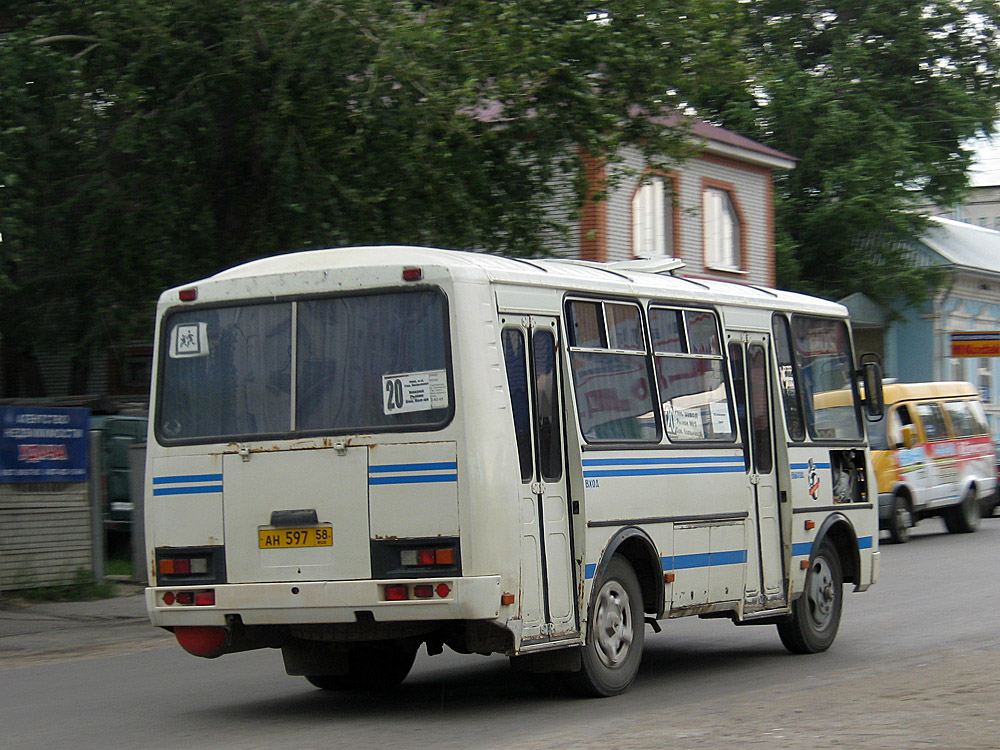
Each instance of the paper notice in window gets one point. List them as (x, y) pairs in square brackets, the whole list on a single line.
[(720, 418), (414, 391)]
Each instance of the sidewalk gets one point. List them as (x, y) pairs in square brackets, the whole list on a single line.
[(47, 632)]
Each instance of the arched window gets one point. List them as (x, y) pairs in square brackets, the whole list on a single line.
[(721, 230), (652, 218)]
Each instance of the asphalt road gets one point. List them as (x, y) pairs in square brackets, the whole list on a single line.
[(914, 665)]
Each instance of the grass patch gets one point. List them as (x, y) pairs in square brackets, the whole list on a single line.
[(82, 588), (118, 566)]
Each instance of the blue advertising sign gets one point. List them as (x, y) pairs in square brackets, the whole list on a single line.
[(43, 444)]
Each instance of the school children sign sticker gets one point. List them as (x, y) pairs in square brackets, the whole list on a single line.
[(43, 444)]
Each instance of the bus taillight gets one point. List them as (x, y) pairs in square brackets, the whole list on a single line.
[(204, 598), (397, 593), (412, 558), (184, 566)]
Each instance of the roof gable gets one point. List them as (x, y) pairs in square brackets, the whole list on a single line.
[(964, 245)]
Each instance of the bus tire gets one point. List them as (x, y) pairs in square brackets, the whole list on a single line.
[(373, 667), (900, 520), (964, 517), (615, 634), (816, 613)]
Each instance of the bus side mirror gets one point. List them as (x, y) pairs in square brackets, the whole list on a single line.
[(909, 433), (871, 396)]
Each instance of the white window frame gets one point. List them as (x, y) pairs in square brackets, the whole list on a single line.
[(652, 218), (721, 229)]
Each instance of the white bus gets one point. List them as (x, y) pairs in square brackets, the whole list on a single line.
[(356, 451)]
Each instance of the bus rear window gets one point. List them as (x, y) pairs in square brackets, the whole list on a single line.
[(365, 363)]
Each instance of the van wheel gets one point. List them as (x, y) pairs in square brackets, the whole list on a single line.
[(376, 667), (964, 517), (900, 520), (816, 613), (615, 634)]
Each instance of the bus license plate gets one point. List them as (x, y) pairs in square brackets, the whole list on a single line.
[(319, 536)]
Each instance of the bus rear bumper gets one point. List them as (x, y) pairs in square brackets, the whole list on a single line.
[(291, 603)]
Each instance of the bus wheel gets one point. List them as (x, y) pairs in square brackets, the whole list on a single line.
[(377, 667), (964, 517), (900, 520), (615, 634), (816, 613)]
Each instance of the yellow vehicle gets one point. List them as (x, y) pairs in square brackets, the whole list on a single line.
[(933, 456)]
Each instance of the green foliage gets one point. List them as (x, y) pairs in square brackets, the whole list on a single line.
[(875, 99), (146, 143), (83, 587)]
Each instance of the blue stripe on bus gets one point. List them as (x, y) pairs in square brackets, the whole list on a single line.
[(805, 548), (646, 461), (802, 548), (687, 562), (732, 557), (806, 466), (188, 478), (414, 479), (665, 470), (199, 490), (704, 560), (412, 467)]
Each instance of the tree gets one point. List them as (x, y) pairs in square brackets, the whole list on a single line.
[(148, 142), (876, 99)]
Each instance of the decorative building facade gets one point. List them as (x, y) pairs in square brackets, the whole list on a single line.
[(923, 345)]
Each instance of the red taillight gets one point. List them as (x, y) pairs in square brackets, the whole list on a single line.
[(188, 295), (423, 591), (427, 557), (413, 274), (168, 598), (183, 566), (185, 597), (204, 598), (443, 590), (396, 593)]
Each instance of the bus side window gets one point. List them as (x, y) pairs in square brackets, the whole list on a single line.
[(740, 393), (691, 375), (517, 384), (543, 358), (787, 379)]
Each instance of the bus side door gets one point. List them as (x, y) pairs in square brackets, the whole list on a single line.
[(531, 353), (751, 379)]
